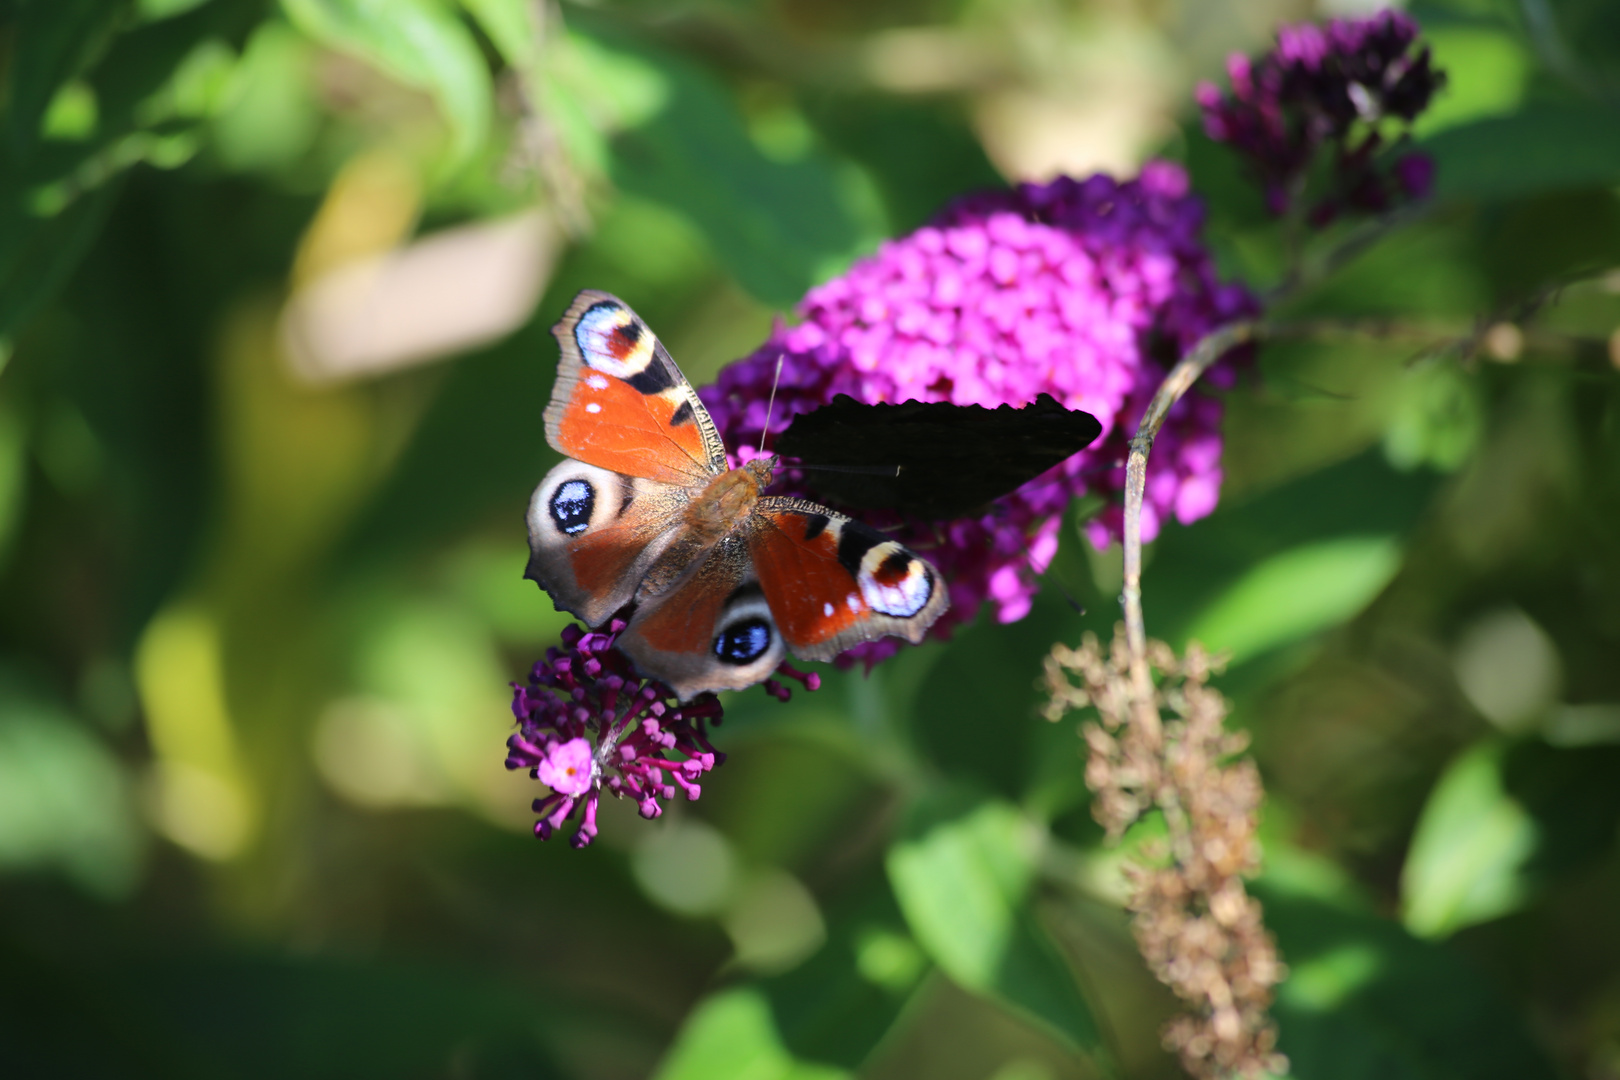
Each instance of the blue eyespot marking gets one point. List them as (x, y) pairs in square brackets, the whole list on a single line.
[(743, 642), (571, 506)]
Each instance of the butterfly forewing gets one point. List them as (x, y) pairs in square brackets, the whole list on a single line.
[(620, 402)]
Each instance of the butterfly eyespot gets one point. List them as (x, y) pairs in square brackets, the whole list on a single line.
[(571, 507), (894, 583), (614, 342), (743, 642)]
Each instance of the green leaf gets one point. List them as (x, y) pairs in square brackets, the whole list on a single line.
[(777, 226), (1471, 843), (13, 469), (146, 86), (922, 154), (1504, 819), (419, 42), (823, 1018), (1196, 566), (1297, 593), (143, 80), (992, 672), (39, 253), (272, 114), (278, 1017), (61, 36), (1365, 1000), (64, 801), (733, 1036), (1437, 419), (962, 877), (1487, 72), (1545, 147)]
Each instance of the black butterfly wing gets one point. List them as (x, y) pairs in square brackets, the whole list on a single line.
[(952, 459)]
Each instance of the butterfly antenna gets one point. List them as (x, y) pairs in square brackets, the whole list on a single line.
[(766, 431)]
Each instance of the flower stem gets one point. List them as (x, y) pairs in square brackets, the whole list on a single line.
[(1210, 348)]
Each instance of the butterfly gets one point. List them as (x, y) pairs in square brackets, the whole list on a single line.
[(724, 579)]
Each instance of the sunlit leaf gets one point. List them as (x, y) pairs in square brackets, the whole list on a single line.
[(1196, 566), (1504, 819), (62, 36), (733, 1036), (1471, 843), (270, 116), (961, 876), (821, 1019), (53, 193), (1487, 71), (1297, 593), (64, 801), (420, 42)]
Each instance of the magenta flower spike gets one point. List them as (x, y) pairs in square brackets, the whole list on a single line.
[(587, 724), (1084, 289)]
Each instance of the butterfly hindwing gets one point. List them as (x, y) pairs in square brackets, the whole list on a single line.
[(620, 403), (594, 532), (712, 631), (832, 582)]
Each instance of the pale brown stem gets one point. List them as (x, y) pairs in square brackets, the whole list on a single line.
[(1209, 349)]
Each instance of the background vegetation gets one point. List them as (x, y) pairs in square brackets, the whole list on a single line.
[(259, 569)]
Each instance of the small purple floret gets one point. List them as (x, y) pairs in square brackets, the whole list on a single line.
[(1084, 289), (1329, 86)]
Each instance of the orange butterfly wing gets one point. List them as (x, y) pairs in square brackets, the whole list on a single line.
[(620, 402)]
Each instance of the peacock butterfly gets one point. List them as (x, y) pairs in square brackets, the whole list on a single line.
[(723, 579)]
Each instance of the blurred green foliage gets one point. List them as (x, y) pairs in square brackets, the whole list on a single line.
[(255, 625)]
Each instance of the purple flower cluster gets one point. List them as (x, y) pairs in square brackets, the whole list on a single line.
[(1083, 289), (1329, 85), (588, 724)]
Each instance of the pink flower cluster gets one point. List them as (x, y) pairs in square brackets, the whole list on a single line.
[(1329, 86), (1084, 289)]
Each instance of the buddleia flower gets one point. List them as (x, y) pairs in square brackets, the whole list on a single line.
[(588, 725), (1343, 90), (1088, 290)]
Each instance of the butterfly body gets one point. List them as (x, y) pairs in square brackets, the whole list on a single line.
[(722, 579)]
